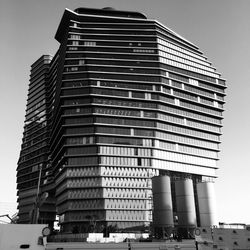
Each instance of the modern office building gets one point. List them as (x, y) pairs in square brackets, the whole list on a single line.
[(123, 100)]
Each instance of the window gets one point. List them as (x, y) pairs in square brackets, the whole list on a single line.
[(75, 43), (69, 69), (80, 140), (151, 51), (81, 62), (75, 37), (89, 43)]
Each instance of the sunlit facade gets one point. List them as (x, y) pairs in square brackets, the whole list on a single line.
[(125, 99)]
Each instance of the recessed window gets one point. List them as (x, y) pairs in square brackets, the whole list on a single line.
[(24, 246)]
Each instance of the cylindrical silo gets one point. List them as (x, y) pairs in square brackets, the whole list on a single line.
[(162, 204), (185, 203), (207, 205)]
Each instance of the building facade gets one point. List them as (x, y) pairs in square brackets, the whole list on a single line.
[(123, 100)]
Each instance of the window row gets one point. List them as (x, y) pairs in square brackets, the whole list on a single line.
[(119, 62), (178, 77), (81, 150), (206, 101), (128, 122), (125, 141), (126, 85), (185, 95), (189, 73), (80, 140), (201, 125), (75, 84), (34, 102), (150, 51), (35, 124), (170, 118), (117, 112), (112, 130), (33, 92), (200, 108), (37, 105), (198, 151), (187, 131), (125, 151), (33, 168), (125, 103), (94, 55), (76, 91), (187, 140), (36, 114), (211, 87), (184, 121), (111, 92), (187, 149), (198, 66), (185, 168), (34, 147), (39, 130), (34, 140), (38, 159), (125, 161), (29, 177), (190, 159), (35, 129), (79, 110), (189, 62), (78, 120), (124, 131), (79, 130), (177, 84), (112, 76), (199, 91), (167, 49), (163, 59), (175, 47), (33, 154), (76, 101), (166, 90), (190, 114), (112, 68)]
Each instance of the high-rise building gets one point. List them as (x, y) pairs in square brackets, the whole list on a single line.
[(124, 99)]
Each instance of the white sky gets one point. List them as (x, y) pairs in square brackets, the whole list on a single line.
[(220, 28)]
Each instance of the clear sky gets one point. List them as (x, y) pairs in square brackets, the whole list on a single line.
[(220, 28)]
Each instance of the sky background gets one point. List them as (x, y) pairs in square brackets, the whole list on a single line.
[(220, 28)]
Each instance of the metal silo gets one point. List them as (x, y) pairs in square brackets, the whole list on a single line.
[(185, 205), (207, 205), (162, 203)]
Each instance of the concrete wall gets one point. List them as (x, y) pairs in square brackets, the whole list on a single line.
[(12, 236)]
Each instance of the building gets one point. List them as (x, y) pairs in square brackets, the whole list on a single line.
[(124, 99), (225, 236)]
